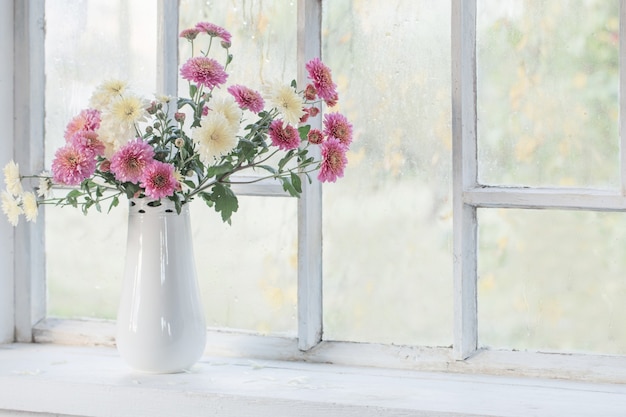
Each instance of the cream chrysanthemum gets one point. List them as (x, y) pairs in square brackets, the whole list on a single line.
[(286, 100), (214, 137), (12, 178), (44, 189), (11, 208), (119, 120), (29, 204), (106, 92), (128, 110), (227, 107)]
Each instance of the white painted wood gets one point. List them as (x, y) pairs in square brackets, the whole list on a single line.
[(464, 160), (310, 203), (30, 289), (7, 318), (232, 344), (167, 48), (95, 382), (552, 198)]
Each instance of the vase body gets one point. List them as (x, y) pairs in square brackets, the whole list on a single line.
[(160, 323)]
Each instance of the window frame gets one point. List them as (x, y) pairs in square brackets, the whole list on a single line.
[(22, 282)]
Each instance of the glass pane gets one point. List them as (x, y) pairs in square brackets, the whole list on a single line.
[(548, 92), (387, 223), (552, 280), (252, 283), (86, 43), (248, 271)]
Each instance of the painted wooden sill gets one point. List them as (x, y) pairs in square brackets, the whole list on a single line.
[(93, 381)]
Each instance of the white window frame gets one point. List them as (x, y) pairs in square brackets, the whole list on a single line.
[(22, 279)]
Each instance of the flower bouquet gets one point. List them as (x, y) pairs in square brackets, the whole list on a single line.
[(187, 147)]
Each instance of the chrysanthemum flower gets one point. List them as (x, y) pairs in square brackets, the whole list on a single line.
[(86, 120), (214, 31), (159, 180), (205, 71), (315, 136), (334, 160), (287, 101), (128, 110), (44, 189), (12, 178), (87, 141), (71, 166), (283, 135), (11, 208), (322, 79), (230, 110), (189, 34), (106, 92), (214, 137), (247, 98), (131, 160), (29, 205), (337, 126)]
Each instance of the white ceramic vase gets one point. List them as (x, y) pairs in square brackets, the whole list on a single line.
[(160, 322)]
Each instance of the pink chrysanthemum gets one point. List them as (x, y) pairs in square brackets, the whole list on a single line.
[(205, 71), (247, 98), (315, 136), (189, 34), (284, 135), (159, 180), (86, 120), (71, 166), (214, 30), (131, 160), (332, 100), (334, 160), (322, 79), (87, 141), (337, 126)]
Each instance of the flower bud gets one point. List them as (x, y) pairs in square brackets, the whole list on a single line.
[(149, 129), (105, 166), (310, 92), (179, 117), (179, 142)]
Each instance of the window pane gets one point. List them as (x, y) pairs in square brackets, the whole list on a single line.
[(249, 272), (387, 224), (552, 280), (548, 92), (86, 43)]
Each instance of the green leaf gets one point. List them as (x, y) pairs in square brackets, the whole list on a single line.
[(296, 182), (225, 201), (114, 203), (304, 131), (193, 89)]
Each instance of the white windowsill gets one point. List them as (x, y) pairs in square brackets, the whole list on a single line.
[(93, 381)]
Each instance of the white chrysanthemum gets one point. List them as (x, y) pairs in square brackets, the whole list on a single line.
[(127, 110), (29, 204), (106, 92), (286, 100), (230, 110), (11, 208), (214, 137), (44, 189), (162, 98), (12, 178)]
